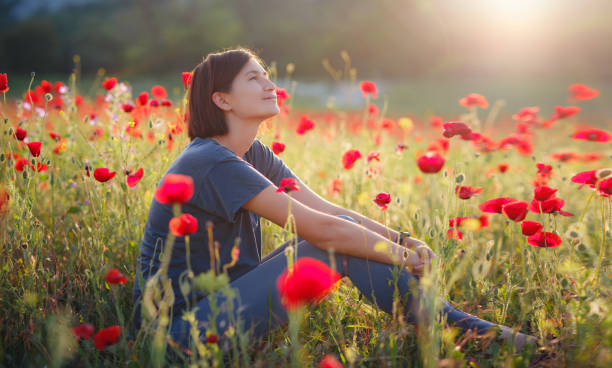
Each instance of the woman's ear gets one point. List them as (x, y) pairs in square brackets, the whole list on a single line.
[(219, 99)]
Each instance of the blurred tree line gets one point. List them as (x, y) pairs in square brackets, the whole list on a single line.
[(385, 38)]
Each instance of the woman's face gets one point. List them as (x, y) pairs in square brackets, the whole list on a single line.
[(253, 95)]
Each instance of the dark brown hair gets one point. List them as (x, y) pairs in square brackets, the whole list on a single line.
[(215, 74)]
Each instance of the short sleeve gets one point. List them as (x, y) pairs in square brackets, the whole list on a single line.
[(227, 186), (269, 164)]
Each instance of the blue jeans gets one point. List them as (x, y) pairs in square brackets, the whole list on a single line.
[(261, 308)]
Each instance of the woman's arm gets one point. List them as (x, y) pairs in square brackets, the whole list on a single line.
[(327, 231)]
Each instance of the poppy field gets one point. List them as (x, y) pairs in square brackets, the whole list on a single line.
[(516, 205)]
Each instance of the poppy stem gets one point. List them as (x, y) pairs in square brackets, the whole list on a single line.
[(603, 241), (586, 206)]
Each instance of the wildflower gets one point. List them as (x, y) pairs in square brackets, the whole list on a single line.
[(593, 135), (454, 233), (550, 205), (565, 156), (495, 205), (580, 92), (586, 177), (3, 83), (335, 186), (503, 167), (527, 114), (431, 162), (278, 147), (516, 210), (308, 281), (154, 103), (34, 148), (183, 225), (60, 147), (114, 277), (467, 191), (565, 112), (46, 86), (143, 98), (54, 136), (288, 185), (102, 174), (605, 187), (305, 125), (159, 92), (281, 96), (212, 339), (436, 122), (373, 110), (382, 200), (349, 157), (330, 361), (133, 179), (454, 128), (529, 228), (166, 103), (543, 193), (106, 337), (21, 163), (544, 239), (373, 155), (127, 107), (368, 87), (474, 99), (39, 167), (543, 169), (175, 188), (20, 134), (83, 331), (109, 83), (186, 76), (440, 145)]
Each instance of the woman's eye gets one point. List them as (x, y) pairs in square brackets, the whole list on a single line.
[(252, 78)]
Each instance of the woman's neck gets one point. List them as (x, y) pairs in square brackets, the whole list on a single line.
[(240, 136)]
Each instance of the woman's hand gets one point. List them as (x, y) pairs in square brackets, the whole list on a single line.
[(426, 255)]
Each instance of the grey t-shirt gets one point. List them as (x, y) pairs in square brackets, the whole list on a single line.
[(223, 182)]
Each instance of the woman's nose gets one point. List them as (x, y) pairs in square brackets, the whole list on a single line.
[(270, 85)]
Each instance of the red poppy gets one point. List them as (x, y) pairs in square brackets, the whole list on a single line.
[(440, 145), (186, 76), (543, 169), (60, 146), (400, 147), (580, 92), (39, 167), (373, 110), (474, 99), (20, 134), (21, 164), (387, 124), (368, 87), (349, 157), (593, 135), (159, 92), (212, 339), (308, 281), (143, 98), (183, 225), (456, 221), (127, 107), (484, 220), (46, 86), (106, 337), (591, 156), (335, 186), (550, 205), (54, 136), (502, 167), (373, 155), (522, 128), (166, 103), (83, 331), (454, 233), (330, 361), (467, 191), (605, 187), (102, 174), (281, 96), (382, 200), (565, 156), (516, 210), (175, 188), (133, 179), (431, 162), (544, 240), (278, 147), (454, 128), (565, 112), (527, 114), (436, 122), (114, 277), (543, 193), (586, 177), (60, 88), (3, 83), (529, 228), (288, 185), (34, 148), (154, 103), (495, 205), (305, 125), (109, 83)]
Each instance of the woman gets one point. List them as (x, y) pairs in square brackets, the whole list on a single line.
[(235, 180)]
